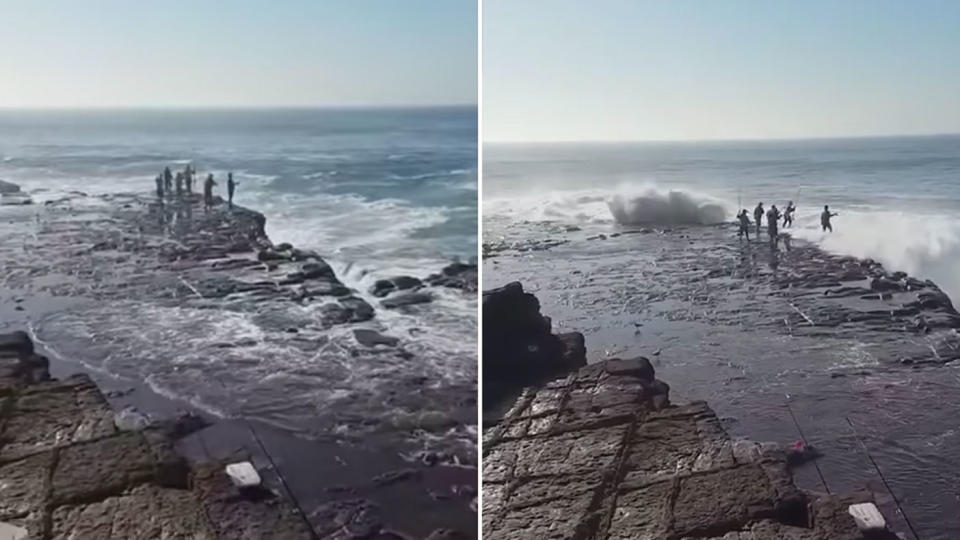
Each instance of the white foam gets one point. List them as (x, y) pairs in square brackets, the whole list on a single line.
[(921, 244), (653, 206), (645, 204)]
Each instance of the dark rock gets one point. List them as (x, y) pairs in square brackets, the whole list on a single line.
[(8, 187), (183, 424), (456, 276), (370, 338), (392, 477), (268, 254), (635, 367), (518, 348), (316, 270), (383, 287), (18, 342), (406, 299), (284, 246), (884, 284), (359, 309)]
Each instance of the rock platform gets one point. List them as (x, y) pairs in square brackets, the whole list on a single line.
[(66, 471), (601, 454)]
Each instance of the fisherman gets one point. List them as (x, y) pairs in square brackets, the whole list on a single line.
[(208, 192), (179, 183), (825, 218), (231, 186), (773, 218), (160, 187), (188, 178), (744, 219), (167, 180), (758, 216), (788, 215)]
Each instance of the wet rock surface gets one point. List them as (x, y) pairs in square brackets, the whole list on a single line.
[(68, 473), (602, 454), (763, 335), (202, 309)]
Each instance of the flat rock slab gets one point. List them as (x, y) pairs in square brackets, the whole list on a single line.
[(23, 485), (599, 454), (53, 414), (233, 514), (103, 467), (142, 512)]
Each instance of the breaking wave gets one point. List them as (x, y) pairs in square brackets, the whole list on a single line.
[(652, 206)]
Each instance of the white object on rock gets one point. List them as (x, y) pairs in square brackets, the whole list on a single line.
[(12, 532), (130, 419), (867, 516), (243, 474)]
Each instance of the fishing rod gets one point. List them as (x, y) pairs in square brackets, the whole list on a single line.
[(883, 478), (805, 444)]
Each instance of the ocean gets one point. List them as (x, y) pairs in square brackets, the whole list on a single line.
[(896, 196)]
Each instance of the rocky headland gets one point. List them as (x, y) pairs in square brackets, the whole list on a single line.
[(169, 308)]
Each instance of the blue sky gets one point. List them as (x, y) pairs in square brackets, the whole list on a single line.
[(102, 53), (720, 69)]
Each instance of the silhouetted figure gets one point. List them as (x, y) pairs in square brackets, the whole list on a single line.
[(160, 187), (773, 220), (744, 219), (788, 215), (179, 183), (825, 218), (208, 192), (231, 186), (167, 180), (188, 178), (758, 217)]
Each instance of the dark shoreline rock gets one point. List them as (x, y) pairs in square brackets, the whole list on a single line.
[(518, 347)]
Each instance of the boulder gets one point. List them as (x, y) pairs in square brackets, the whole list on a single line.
[(8, 187), (406, 299), (455, 276), (371, 338), (383, 287), (17, 342), (518, 347)]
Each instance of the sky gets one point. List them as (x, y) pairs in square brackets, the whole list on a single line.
[(242, 53), (622, 70)]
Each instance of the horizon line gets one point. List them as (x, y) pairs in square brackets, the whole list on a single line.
[(716, 140), (43, 108)]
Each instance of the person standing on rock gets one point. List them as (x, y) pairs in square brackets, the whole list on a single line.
[(773, 219), (179, 183), (188, 178), (231, 186), (167, 180), (758, 216), (825, 218), (208, 192), (788, 215), (744, 219), (160, 187)]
